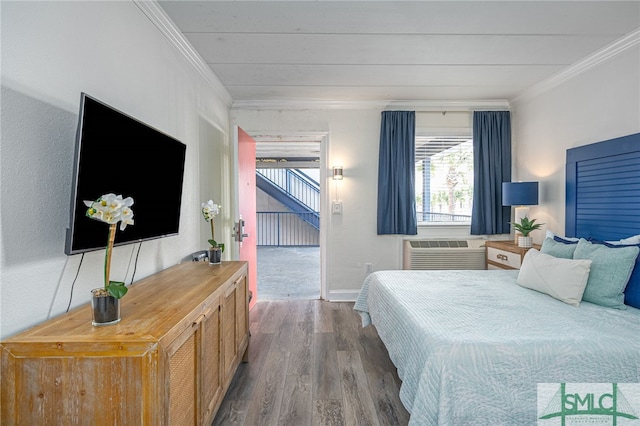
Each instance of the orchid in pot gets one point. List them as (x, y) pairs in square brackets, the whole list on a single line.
[(111, 209), (209, 211)]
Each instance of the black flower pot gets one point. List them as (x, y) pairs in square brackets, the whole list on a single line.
[(105, 308), (215, 254)]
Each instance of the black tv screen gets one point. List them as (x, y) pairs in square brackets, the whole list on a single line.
[(115, 153)]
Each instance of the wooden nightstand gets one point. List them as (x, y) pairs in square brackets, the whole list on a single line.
[(505, 254)]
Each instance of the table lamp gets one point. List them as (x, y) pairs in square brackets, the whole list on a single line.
[(521, 195)]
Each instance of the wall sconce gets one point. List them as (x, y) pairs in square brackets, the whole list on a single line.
[(336, 205), (521, 195), (337, 172)]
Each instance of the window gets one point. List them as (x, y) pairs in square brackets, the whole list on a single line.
[(444, 179)]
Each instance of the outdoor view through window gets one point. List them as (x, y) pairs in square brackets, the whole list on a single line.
[(444, 178)]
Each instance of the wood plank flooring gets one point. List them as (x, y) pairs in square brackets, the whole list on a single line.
[(312, 363)]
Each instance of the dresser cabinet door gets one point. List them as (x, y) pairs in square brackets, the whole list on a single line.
[(242, 319), (210, 363), (182, 381), (229, 315)]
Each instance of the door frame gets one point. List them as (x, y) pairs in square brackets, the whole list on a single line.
[(324, 214), (323, 138)]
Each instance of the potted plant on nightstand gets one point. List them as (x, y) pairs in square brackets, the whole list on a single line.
[(525, 227)]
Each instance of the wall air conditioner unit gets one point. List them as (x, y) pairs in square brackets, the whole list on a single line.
[(443, 254)]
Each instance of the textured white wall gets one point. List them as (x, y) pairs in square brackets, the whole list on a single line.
[(52, 51), (600, 104)]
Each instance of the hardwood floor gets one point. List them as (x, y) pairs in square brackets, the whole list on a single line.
[(312, 363)]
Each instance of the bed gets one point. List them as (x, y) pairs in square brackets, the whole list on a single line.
[(477, 347)]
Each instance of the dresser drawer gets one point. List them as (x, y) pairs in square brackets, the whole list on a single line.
[(503, 257)]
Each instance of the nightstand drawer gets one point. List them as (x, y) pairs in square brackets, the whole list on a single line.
[(503, 257)]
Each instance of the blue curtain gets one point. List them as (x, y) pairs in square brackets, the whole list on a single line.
[(396, 174), (492, 166)]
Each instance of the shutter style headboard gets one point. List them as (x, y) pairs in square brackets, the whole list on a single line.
[(603, 189)]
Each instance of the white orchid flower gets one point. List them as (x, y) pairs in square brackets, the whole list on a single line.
[(126, 217), (210, 209), (111, 209)]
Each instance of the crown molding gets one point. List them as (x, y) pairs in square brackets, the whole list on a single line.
[(162, 22), (425, 105), (619, 46)]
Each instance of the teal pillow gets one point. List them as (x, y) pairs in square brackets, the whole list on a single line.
[(610, 272), (557, 249)]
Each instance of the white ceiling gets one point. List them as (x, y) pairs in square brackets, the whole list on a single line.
[(443, 53), (338, 51)]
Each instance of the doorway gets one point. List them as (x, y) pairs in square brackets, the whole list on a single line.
[(289, 206)]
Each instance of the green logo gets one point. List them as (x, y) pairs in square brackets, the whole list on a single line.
[(582, 402)]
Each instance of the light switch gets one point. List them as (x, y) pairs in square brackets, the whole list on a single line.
[(336, 207)]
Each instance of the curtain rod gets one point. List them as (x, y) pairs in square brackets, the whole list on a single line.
[(444, 112)]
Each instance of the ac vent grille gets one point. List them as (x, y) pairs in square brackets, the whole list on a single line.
[(443, 254), (438, 244)]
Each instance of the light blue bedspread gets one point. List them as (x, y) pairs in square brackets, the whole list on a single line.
[(471, 346)]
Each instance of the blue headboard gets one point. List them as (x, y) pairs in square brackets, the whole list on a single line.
[(603, 189)]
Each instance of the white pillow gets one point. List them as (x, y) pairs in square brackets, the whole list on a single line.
[(562, 279)]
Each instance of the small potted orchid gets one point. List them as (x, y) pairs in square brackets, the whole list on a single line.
[(209, 210), (111, 209)]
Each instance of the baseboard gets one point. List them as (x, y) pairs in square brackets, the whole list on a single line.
[(343, 295)]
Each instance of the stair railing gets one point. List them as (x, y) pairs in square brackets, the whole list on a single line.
[(296, 185)]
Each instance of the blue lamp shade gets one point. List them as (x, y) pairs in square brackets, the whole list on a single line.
[(519, 193)]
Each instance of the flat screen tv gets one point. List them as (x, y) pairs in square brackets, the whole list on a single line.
[(116, 153)]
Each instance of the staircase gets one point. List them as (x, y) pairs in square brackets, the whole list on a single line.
[(294, 189), (300, 194)]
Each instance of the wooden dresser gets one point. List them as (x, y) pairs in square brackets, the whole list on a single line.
[(505, 254), (183, 333)]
